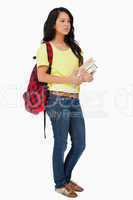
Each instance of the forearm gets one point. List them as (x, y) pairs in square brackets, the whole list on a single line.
[(54, 79)]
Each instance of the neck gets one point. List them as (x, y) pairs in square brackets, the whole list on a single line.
[(59, 38)]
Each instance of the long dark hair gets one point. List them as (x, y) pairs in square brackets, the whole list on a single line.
[(49, 31)]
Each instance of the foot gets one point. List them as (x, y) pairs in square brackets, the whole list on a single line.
[(67, 191), (74, 186)]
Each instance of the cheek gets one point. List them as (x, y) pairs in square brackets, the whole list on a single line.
[(58, 26), (69, 26)]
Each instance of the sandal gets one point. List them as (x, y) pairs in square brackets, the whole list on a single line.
[(66, 191), (74, 186)]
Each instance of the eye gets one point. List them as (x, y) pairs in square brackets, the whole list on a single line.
[(64, 21)]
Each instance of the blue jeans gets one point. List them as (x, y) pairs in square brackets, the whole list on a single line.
[(66, 117)]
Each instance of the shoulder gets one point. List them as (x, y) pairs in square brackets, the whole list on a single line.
[(41, 55), (41, 49)]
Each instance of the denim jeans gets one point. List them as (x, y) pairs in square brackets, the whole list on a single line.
[(66, 116)]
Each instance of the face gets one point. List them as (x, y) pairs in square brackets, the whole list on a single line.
[(63, 25)]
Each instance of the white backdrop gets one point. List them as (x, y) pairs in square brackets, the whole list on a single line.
[(104, 31)]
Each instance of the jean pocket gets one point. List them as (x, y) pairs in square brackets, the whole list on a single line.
[(51, 101)]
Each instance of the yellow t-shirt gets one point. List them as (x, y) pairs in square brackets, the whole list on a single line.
[(64, 62)]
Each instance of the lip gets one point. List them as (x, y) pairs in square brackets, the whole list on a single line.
[(66, 29)]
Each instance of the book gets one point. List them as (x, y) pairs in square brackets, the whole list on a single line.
[(88, 66)]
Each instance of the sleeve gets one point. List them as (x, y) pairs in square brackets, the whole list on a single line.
[(41, 55)]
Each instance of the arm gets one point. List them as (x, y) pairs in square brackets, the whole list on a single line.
[(43, 76), (83, 75), (42, 68)]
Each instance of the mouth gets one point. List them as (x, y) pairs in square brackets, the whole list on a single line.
[(66, 29)]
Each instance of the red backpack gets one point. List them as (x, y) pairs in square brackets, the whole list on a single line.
[(35, 98)]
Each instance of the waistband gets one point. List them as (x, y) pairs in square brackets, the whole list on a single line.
[(65, 94)]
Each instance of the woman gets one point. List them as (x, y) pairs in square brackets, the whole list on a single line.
[(63, 106)]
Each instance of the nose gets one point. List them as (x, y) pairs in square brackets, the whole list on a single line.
[(67, 24)]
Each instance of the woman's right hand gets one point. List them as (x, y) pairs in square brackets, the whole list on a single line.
[(77, 79), (74, 78)]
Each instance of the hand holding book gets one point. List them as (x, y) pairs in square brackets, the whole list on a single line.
[(86, 71), (89, 66)]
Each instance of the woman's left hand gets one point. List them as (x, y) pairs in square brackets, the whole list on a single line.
[(86, 77)]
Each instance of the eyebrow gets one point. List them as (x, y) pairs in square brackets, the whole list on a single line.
[(64, 18)]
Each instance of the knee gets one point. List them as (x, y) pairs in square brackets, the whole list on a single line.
[(82, 147), (61, 146), (79, 147), (65, 146)]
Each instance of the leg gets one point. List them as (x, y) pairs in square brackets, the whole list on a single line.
[(77, 134), (59, 117)]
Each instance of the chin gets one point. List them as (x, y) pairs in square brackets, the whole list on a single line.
[(66, 33)]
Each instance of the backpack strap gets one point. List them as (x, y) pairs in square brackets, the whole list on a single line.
[(50, 59), (49, 52)]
